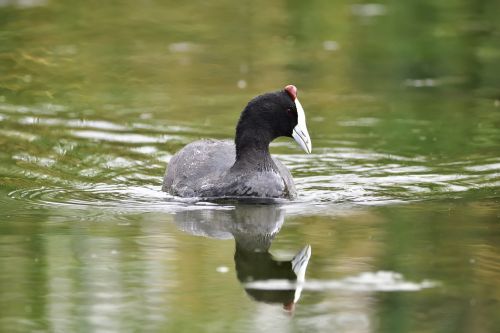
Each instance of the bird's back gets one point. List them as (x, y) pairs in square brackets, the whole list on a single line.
[(197, 165), (203, 169)]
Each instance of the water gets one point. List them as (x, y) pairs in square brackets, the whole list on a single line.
[(398, 203)]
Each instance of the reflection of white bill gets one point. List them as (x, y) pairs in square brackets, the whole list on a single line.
[(299, 266)]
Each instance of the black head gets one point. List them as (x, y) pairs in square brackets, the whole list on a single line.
[(267, 117), (274, 113)]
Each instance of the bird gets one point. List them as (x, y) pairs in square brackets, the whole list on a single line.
[(243, 169)]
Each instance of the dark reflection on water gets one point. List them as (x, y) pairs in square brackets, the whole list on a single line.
[(253, 228)]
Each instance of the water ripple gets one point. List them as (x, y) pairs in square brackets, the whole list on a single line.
[(119, 199), (100, 163)]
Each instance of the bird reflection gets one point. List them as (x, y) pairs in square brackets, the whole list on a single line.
[(253, 227)]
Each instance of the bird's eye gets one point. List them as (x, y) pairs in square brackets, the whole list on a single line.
[(290, 112)]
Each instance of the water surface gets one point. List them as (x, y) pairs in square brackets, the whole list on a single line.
[(398, 202)]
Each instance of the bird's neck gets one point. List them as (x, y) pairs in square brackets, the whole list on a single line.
[(252, 152)]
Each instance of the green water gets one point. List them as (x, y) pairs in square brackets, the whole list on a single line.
[(399, 200)]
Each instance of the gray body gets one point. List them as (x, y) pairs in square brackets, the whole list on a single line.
[(205, 169)]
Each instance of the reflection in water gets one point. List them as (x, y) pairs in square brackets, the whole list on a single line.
[(253, 227)]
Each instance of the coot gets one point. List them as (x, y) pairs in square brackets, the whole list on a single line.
[(245, 168)]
